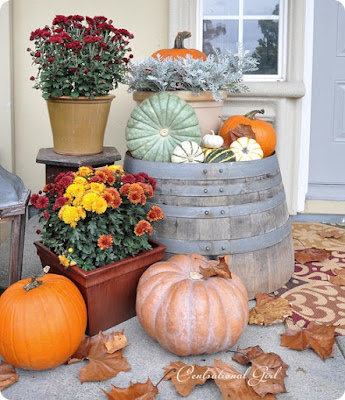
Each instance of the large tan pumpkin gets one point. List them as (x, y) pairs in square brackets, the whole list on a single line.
[(187, 314)]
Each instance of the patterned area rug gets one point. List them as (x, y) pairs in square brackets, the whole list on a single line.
[(309, 291)]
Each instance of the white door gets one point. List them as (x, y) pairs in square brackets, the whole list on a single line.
[(327, 147)]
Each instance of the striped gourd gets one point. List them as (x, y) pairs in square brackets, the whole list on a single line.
[(246, 149), (187, 152), (220, 155)]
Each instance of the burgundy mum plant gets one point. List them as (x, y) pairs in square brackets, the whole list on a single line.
[(80, 56)]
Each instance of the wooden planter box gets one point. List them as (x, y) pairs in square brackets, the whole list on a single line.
[(109, 291)]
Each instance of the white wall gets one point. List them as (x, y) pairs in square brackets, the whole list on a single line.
[(147, 20)]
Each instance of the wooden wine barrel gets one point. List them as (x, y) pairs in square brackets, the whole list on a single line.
[(236, 208)]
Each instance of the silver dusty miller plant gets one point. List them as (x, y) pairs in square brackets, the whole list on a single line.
[(218, 72)]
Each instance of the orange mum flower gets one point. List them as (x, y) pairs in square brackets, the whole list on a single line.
[(134, 197), (111, 179), (125, 189), (136, 188), (142, 227), (143, 199), (108, 197), (155, 214), (101, 174), (105, 241), (116, 200), (148, 190)]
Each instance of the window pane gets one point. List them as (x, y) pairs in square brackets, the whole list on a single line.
[(219, 35), (220, 7), (261, 39), (262, 7)]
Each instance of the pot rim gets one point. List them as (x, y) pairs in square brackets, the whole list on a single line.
[(186, 95), (69, 99)]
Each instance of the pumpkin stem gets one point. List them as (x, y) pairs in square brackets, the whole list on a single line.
[(180, 37), (252, 114), (32, 284)]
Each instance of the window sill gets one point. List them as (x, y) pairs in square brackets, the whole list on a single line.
[(295, 90)]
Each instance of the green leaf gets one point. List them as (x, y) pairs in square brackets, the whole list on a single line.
[(74, 94)]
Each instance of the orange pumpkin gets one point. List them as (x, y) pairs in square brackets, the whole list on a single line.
[(264, 132), (187, 314), (41, 324), (179, 50)]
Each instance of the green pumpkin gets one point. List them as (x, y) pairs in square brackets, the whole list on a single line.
[(220, 155), (158, 125)]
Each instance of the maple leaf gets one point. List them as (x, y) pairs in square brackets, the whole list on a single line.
[(267, 374), (185, 377), (339, 279), (116, 341), (240, 131), (334, 233), (82, 351), (136, 391), (102, 363), (216, 268), (233, 384), (311, 254), (269, 310), (8, 375), (244, 356), (318, 337)]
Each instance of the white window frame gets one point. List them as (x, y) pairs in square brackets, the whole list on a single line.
[(282, 38)]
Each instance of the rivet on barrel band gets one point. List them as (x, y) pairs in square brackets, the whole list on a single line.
[(220, 170), (221, 190), (222, 212), (205, 190), (207, 212), (205, 171), (208, 248)]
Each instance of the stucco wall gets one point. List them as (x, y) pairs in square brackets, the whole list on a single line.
[(147, 20)]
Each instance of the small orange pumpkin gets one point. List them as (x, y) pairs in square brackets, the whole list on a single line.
[(179, 50), (42, 322), (265, 134), (187, 314)]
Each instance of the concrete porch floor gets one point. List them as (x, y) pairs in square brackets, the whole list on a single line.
[(309, 378)]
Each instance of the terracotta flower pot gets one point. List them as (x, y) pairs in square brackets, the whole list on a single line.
[(109, 291), (208, 111), (78, 125)]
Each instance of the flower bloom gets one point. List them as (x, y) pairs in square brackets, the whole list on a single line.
[(64, 261), (99, 206), (46, 215), (80, 180), (143, 227), (155, 214), (59, 202), (84, 171), (116, 168), (125, 189), (97, 187), (105, 241), (88, 200), (70, 215), (76, 189), (42, 202)]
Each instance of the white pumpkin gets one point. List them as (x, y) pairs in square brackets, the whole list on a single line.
[(246, 149), (212, 141), (187, 152)]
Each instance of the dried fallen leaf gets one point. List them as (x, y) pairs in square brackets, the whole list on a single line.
[(244, 356), (82, 351), (136, 391), (216, 268), (334, 233), (186, 377), (233, 384), (267, 374), (269, 310), (339, 279), (240, 131), (318, 337), (8, 375), (311, 254), (102, 364), (116, 341)]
